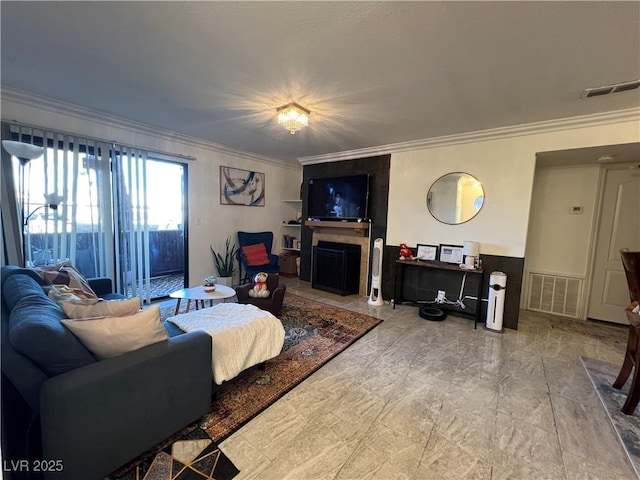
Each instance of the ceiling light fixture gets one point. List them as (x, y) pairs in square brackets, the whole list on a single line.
[(293, 117)]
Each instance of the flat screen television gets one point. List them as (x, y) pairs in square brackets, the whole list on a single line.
[(339, 198)]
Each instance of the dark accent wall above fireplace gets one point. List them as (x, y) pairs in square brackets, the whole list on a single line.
[(378, 168)]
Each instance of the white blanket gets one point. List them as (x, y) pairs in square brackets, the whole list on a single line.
[(242, 335)]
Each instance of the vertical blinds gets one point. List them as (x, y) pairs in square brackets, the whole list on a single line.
[(101, 226), (131, 218)]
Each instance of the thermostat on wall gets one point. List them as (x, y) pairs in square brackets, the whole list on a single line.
[(576, 210)]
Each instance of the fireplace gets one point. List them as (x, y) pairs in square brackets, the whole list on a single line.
[(336, 267), (321, 235)]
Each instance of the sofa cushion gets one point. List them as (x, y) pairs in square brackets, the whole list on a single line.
[(111, 336), (172, 329), (113, 296), (15, 287), (36, 331)]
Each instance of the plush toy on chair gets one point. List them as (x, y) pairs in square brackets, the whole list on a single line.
[(272, 302), (260, 289)]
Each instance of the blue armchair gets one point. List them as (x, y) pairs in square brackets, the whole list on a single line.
[(246, 239)]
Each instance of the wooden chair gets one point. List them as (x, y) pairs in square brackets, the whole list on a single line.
[(631, 262)]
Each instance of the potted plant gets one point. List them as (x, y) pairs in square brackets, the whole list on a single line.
[(210, 284), (225, 262)]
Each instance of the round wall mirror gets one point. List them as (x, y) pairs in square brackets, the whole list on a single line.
[(455, 198)]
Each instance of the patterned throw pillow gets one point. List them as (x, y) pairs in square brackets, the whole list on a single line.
[(66, 274), (256, 254), (64, 293)]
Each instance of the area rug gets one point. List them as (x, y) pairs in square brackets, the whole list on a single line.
[(315, 332), (188, 455), (627, 427)]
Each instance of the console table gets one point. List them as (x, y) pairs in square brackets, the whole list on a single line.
[(401, 265)]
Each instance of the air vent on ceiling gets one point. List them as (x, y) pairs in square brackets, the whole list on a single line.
[(606, 90), (554, 294)]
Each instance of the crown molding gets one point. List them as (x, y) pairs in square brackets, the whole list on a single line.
[(115, 122), (632, 114)]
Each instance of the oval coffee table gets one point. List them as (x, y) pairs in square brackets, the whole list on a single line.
[(222, 292)]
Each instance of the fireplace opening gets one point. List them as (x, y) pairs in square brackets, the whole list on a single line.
[(336, 267)]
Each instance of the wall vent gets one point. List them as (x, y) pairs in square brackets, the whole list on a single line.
[(607, 89), (554, 294)]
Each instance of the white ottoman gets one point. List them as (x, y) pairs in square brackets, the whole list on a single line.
[(242, 336)]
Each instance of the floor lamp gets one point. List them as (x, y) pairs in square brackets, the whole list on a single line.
[(24, 152), (53, 201)]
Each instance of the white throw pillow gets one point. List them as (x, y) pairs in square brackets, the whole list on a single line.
[(105, 308), (111, 336)]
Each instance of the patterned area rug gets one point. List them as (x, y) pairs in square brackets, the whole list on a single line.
[(314, 333), (188, 455), (602, 376)]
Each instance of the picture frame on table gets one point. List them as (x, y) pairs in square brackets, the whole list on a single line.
[(451, 253), (427, 252)]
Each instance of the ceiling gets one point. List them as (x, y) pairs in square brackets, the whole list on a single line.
[(372, 73)]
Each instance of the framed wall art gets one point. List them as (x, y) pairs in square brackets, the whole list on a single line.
[(427, 252), (451, 253), (241, 187)]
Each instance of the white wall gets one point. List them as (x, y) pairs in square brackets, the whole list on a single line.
[(506, 173), (560, 242), (506, 168), (209, 222)]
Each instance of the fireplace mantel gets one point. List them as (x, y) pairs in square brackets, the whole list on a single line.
[(360, 229)]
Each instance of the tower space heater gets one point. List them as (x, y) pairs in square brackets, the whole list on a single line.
[(375, 297)]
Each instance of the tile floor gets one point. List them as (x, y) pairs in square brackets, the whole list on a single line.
[(438, 400)]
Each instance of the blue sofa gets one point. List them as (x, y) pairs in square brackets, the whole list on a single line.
[(94, 416)]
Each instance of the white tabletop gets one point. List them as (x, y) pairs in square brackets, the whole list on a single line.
[(197, 293)]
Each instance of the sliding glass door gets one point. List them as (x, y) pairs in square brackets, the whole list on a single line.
[(123, 213), (80, 229), (167, 206)]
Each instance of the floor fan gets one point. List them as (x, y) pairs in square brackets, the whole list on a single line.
[(375, 297)]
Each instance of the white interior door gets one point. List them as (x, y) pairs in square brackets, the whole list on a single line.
[(619, 228)]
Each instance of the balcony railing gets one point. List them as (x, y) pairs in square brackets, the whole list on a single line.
[(166, 254)]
